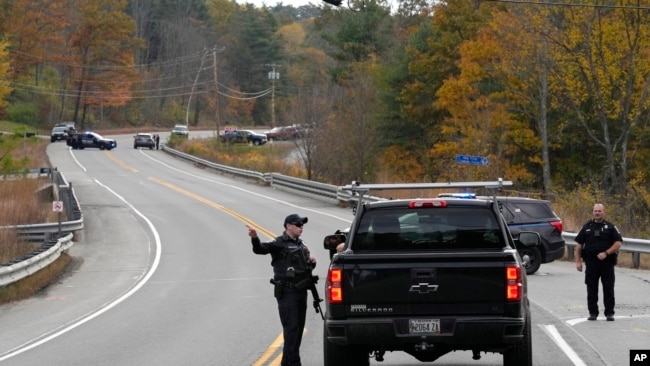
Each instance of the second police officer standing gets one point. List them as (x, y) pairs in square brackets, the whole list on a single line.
[(291, 277), (598, 244)]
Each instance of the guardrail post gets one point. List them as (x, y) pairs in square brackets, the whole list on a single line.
[(69, 206), (636, 260), (569, 251)]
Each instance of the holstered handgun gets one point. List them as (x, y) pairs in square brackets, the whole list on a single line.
[(278, 290)]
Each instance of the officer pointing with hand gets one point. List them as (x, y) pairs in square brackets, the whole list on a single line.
[(291, 277)]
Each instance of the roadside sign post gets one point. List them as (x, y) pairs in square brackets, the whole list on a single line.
[(57, 206)]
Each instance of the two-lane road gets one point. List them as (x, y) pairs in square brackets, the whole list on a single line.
[(164, 275)]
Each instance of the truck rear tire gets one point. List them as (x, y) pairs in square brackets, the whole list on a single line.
[(521, 354), (335, 355)]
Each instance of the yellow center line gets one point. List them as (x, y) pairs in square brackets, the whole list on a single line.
[(230, 212), (277, 343), (276, 361), (270, 351), (120, 162)]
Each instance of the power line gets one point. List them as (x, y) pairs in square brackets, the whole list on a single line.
[(138, 94)]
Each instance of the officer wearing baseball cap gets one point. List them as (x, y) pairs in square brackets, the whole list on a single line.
[(289, 258)]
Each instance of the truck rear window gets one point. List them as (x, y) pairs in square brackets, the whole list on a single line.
[(449, 228)]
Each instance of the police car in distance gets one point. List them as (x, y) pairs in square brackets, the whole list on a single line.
[(91, 139)]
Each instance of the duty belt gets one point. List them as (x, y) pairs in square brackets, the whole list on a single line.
[(286, 284)]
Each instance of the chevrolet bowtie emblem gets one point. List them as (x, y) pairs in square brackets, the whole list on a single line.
[(423, 288)]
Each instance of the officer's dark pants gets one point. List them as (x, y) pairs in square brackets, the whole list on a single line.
[(603, 271), (293, 310)]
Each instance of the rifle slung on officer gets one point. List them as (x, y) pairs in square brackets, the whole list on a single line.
[(310, 281)]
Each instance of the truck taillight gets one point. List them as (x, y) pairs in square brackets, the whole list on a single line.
[(334, 288), (514, 286)]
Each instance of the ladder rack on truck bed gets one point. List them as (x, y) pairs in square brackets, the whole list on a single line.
[(362, 189)]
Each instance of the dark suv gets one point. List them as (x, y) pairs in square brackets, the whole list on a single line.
[(528, 214), (244, 136), (144, 140)]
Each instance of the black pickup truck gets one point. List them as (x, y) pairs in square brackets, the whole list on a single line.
[(426, 277)]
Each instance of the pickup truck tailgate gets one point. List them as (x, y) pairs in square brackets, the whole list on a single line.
[(424, 284)]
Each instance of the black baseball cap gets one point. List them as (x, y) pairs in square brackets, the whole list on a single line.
[(294, 219)]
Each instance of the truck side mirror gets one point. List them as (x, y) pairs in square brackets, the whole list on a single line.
[(331, 241), (529, 238)]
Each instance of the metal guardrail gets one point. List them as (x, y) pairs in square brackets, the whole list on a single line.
[(55, 237), (327, 192), (35, 261)]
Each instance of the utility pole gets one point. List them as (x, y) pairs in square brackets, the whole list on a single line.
[(216, 88), (189, 99), (273, 75)]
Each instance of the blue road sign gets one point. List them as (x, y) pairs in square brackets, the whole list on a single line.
[(472, 160)]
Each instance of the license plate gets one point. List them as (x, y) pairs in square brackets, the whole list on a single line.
[(424, 326)]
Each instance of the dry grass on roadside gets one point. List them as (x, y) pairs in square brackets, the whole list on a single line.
[(266, 158), (12, 246), (20, 202)]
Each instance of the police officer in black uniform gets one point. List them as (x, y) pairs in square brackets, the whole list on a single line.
[(289, 258), (598, 244)]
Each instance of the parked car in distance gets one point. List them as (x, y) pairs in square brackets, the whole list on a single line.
[(59, 133), (243, 136), (62, 131), (181, 130), (91, 139), (283, 133), (144, 140)]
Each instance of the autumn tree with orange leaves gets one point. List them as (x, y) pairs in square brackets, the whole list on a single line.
[(36, 31), (102, 46)]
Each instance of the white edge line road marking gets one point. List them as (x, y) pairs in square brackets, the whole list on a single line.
[(555, 336), (75, 159), (27, 346), (241, 189)]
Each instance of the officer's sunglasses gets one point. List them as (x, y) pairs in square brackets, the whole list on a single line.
[(297, 224)]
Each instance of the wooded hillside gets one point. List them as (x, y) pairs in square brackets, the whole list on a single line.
[(554, 95)]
